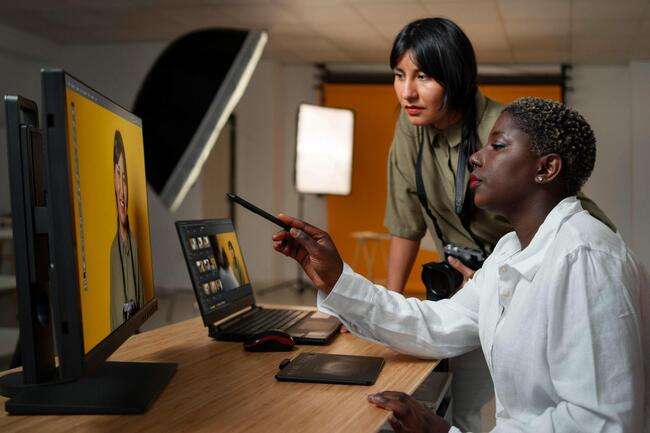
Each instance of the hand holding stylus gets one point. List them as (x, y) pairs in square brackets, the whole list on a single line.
[(313, 249)]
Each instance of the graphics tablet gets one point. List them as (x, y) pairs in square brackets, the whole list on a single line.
[(327, 368)]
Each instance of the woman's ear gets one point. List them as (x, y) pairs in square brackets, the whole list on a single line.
[(549, 168)]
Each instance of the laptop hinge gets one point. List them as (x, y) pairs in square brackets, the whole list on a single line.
[(234, 317)]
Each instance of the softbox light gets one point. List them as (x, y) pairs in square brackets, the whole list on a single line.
[(324, 150)]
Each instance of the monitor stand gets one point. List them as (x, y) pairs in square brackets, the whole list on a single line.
[(114, 388)]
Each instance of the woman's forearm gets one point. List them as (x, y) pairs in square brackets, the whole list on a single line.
[(401, 256)]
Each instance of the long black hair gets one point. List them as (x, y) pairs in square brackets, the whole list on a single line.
[(442, 51)]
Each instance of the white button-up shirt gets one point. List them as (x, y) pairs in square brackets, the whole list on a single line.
[(562, 324)]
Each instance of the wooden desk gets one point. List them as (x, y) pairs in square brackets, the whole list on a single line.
[(220, 388)]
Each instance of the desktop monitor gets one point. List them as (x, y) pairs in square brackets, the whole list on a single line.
[(101, 273)]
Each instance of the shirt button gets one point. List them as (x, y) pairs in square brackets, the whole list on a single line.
[(503, 269), (504, 292)]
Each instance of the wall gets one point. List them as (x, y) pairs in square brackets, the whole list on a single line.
[(608, 109), (614, 101), (640, 92)]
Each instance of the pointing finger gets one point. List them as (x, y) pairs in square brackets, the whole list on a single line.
[(300, 224)]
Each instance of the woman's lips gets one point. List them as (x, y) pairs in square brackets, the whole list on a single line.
[(413, 110), (473, 181)]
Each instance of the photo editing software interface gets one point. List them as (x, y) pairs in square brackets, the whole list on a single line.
[(218, 267), (111, 222)]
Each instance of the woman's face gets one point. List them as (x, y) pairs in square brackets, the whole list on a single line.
[(505, 169), (121, 191), (419, 95)]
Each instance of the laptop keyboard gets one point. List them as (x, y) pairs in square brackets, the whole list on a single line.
[(262, 320)]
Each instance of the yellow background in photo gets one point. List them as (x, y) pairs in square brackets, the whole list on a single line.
[(95, 210), (222, 239)]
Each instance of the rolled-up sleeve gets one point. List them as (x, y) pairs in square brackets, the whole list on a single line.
[(421, 328), (403, 216)]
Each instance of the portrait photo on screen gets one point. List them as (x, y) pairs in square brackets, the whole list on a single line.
[(230, 264), (109, 192), (127, 287)]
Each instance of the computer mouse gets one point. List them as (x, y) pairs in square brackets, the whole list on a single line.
[(272, 340)]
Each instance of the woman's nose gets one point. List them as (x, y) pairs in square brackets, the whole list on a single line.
[(408, 90), (475, 160)]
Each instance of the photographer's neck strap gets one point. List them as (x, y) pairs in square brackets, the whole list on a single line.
[(422, 195), (461, 211)]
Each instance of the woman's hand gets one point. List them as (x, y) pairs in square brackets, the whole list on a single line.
[(466, 272), (313, 249), (409, 416)]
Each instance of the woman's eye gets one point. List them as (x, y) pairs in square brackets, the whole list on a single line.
[(398, 75), (497, 146), (422, 77)]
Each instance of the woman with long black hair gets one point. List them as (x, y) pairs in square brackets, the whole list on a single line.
[(444, 119)]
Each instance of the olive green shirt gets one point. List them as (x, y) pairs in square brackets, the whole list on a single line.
[(406, 218)]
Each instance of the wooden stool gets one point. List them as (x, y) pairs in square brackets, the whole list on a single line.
[(368, 243)]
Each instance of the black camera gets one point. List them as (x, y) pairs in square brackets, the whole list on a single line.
[(441, 279)]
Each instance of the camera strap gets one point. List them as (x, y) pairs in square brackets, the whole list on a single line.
[(459, 207)]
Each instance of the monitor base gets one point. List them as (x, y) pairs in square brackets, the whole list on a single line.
[(12, 384), (114, 388)]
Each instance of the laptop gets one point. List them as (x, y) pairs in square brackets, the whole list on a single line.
[(224, 293)]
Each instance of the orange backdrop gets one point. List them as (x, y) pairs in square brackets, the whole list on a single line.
[(376, 108)]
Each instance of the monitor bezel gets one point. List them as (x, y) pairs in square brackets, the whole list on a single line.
[(213, 227), (66, 301)]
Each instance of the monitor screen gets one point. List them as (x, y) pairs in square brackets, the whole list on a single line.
[(109, 204), (220, 264), (216, 264)]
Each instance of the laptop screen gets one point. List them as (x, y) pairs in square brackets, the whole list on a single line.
[(216, 266)]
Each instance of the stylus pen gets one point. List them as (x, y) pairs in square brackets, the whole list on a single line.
[(251, 207)]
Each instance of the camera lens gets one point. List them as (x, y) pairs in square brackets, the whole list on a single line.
[(441, 281)]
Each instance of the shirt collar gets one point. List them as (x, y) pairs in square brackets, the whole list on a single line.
[(454, 133), (528, 261)]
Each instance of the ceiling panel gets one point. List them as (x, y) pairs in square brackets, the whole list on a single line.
[(354, 39), (536, 55), (322, 55), (608, 9), (192, 17), (465, 13), (487, 37), (517, 10), (603, 57), (538, 35), (389, 12), (610, 27), (330, 13), (594, 31), (494, 56), (594, 44), (261, 15)]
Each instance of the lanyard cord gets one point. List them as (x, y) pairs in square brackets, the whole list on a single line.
[(460, 209)]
